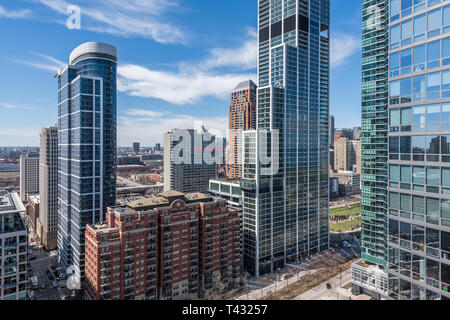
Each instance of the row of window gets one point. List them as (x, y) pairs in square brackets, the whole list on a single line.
[(403, 8), (419, 88), (417, 29), (420, 57), (433, 117)]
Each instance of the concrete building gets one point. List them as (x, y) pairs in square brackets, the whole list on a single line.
[(13, 248), (242, 117), (29, 175), (286, 201), (347, 153), (87, 146), (343, 133), (47, 224), (185, 167), (175, 246), (33, 210), (349, 182)]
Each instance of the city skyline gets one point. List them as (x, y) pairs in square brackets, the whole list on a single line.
[(145, 111)]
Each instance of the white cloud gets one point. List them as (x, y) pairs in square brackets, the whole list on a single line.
[(244, 57), (14, 14), (151, 130), (8, 106), (125, 18), (343, 46), (175, 87)]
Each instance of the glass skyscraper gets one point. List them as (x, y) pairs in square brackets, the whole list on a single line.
[(406, 145), (86, 146), (285, 210)]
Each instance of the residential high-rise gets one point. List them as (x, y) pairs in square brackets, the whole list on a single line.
[(285, 206), (87, 137), (185, 167), (14, 249), (241, 117), (47, 224), (173, 246), (347, 154), (136, 147), (29, 175), (406, 176)]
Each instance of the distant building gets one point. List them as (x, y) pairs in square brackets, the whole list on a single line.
[(343, 133), (332, 129), (136, 147), (33, 210), (47, 224), (14, 240), (349, 182), (357, 133), (242, 117), (192, 172), (29, 175), (158, 147), (347, 153), (334, 187), (175, 246)]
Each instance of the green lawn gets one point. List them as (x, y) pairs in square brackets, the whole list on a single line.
[(345, 225), (346, 212), (9, 175)]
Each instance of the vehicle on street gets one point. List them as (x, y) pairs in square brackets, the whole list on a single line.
[(34, 282), (328, 286), (43, 285), (32, 258), (346, 244)]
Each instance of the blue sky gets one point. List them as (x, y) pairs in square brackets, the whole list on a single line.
[(178, 60)]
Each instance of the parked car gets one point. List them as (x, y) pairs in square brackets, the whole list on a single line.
[(346, 244), (328, 286), (43, 285)]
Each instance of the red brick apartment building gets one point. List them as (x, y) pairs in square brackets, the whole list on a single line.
[(173, 246)]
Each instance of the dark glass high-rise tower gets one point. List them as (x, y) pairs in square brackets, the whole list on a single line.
[(285, 207), (87, 138)]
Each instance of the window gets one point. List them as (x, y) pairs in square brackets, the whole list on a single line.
[(433, 176), (405, 90), (419, 28), (433, 117), (395, 35), (418, 204), (405, 202), (405, 173), (394, 63), (418, 144), (406, 58), (395, 7), (433, 53), (446, 84), (395, 118), (406, 119), (393, 200), (432, 207), (394, 89), (434, 23), (433, 85), (419, 118), (394, 145), (419, 58), (446, 16), (394, 173), (406, 32)]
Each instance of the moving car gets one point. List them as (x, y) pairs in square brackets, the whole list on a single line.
[(328, 286)]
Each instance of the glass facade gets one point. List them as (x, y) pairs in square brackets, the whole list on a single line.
[(407, 231), (286, 212), (86, 146), (419, 168)]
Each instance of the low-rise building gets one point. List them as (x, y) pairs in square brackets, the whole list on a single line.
[(174, 246)]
